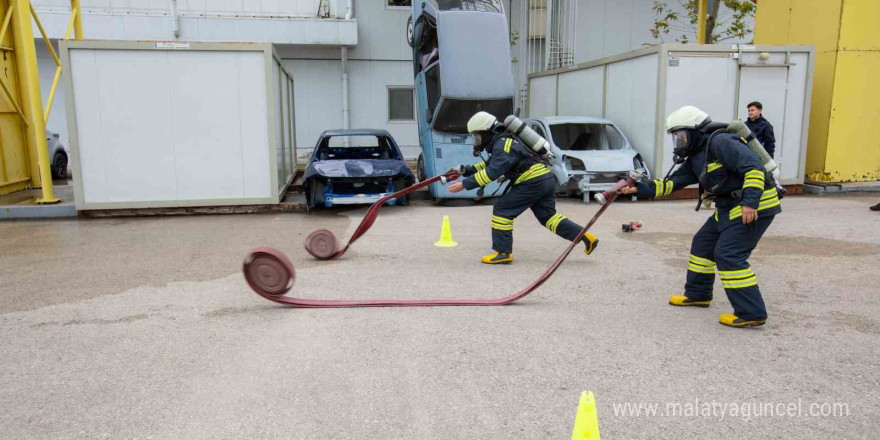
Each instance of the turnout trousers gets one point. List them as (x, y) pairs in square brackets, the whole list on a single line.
[(539, 195), (727, 245)]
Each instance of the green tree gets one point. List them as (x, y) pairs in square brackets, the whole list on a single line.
[(721, 24)]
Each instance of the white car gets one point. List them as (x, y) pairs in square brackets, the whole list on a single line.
[(590, 154), (57, 154)]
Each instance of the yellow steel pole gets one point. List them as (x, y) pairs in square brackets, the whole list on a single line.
[(70, 24), (702, 10), (76, 9), (31, 99)]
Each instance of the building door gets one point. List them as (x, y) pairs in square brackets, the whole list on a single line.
[(767, 85)]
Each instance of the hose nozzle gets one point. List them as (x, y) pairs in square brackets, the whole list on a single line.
[(611, 194)]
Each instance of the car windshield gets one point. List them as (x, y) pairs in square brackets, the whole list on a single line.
[(356, 147), (454, 114), (469, 5), (586, 137)]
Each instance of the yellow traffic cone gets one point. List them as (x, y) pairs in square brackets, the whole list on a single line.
[(586, 422), (446, 235)]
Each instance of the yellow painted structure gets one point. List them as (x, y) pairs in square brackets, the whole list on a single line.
[(24, 156), (702, 11), (844, 138)]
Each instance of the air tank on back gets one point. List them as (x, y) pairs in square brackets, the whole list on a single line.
[(532, 139), (740, 129)]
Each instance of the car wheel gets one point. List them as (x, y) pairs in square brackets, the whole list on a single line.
[(310, 201), (319, 188), (315, 194), (410, 31), (400, 184), (59, 166)]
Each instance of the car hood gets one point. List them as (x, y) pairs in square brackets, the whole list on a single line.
[(604, 161), (358, 168)]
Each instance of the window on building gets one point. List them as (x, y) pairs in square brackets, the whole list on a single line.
[(398, 3), (470, 5), (401, 104)]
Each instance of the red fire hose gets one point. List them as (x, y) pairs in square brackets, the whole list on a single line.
[(271, 274), (322, 243)]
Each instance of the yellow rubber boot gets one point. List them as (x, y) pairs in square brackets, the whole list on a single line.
[(590, 243), (732, 321), (498, 258), (683, 301)]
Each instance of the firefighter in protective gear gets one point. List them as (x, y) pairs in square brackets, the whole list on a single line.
[(532, 185), (745, 200)]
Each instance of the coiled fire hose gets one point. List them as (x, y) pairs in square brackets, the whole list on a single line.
[(271, 274)]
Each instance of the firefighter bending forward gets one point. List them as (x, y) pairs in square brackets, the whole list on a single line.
[(532, 185), (746, 202)]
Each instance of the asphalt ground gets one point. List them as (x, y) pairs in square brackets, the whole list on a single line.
[(145, 328)]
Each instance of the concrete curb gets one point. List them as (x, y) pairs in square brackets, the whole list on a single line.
[(836, 188), (37, 212)]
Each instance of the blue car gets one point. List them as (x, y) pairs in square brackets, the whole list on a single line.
[(461, 62), (351, 167)]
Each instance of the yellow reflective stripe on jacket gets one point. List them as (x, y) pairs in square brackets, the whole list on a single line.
[(537, 170), (700, 265), (772, 203), (507, 145), (754, 179), (554, 222), (480, 166), (482, 178), (769, 199), (757, 174), (770, 193), (738, 279), (736, 212), (713, 166), (663, 187), (501, 223)]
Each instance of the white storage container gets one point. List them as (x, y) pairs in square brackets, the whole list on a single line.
[(155, 124), (637, 90)]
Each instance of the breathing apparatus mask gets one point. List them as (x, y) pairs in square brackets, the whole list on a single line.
[(686, 142), (483, 138)]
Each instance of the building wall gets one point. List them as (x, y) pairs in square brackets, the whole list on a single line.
[(381, 59), (608, 27), (296, 8), (844, 138), (318, 98)]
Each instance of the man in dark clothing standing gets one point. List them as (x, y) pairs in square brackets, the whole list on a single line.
[(761, 127)]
